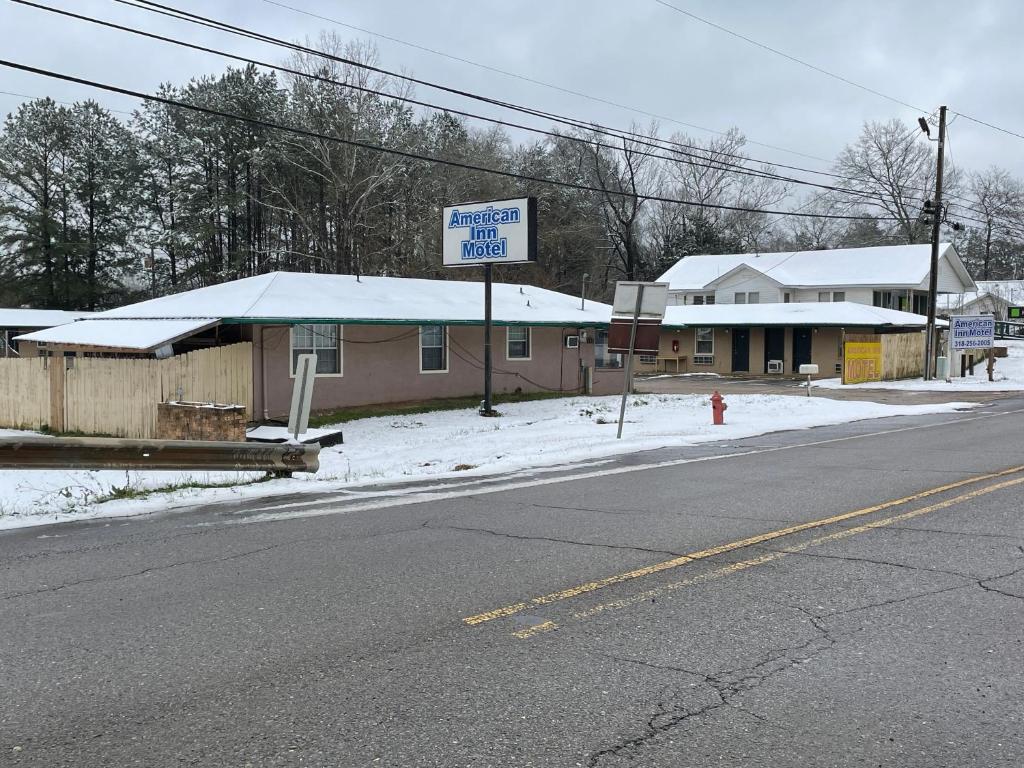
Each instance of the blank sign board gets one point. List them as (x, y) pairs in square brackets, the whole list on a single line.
[(653, 304)]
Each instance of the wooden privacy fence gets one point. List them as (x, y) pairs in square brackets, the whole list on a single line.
[(882, 356), (24, 392), (110, 396)]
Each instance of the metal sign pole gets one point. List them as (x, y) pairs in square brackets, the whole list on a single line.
[(629, 358), (487, 341)]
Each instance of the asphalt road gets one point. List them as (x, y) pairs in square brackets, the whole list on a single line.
[(844, 596)]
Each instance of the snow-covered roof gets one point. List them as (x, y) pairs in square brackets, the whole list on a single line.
[(37, 318), (845, 314), (890, 265), (293, 297), (133, 335), (1009, 291)]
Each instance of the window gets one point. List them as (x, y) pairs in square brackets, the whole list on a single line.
[(321, 340), (822, 295), (705, 344), (739, 298), (709, 299), (754, 297), (839, 296), (703, 359), (649, 359), (785, 298), (705, 299), (882, 299), (433, 348), (920, 304), (602, 358), (698, 300), (518, 343)]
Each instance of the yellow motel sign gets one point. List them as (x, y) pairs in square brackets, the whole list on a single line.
[(862, 361)]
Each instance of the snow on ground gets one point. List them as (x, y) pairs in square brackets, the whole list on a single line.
[(1008, 376), (539, 433)]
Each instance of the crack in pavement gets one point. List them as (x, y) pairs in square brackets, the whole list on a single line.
[(202, 561), (967, 534), (983, 583), (724, 684), (869, 560), (524, 537), (731, 683)]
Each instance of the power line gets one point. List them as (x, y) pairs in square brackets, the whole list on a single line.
[(988, 125), (525, 78), (710, 162), (785, 55), (170, 11), (166, 10), (412, 155)]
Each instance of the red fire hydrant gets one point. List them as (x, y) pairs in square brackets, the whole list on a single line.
[(718, 407)]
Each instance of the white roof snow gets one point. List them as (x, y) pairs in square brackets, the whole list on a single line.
[(845, 314), (890, 265), (293, 297), (1010, 291), (37, 318), (135, 335)]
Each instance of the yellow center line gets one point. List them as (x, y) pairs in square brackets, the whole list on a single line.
[(743, 565), (591, 586)]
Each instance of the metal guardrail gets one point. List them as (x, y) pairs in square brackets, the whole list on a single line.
[(117, 453)]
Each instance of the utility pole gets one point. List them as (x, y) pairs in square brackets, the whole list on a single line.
[(933, 274)]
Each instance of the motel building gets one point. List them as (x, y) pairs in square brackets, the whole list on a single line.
[(770, 313), (377, 339)]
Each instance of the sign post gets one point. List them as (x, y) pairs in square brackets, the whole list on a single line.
[(640, 308), (302, 395), (484, 234)]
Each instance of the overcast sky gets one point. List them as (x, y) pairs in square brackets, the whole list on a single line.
[(636, 53)]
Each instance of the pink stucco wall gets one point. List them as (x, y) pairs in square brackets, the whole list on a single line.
[(381, 364)]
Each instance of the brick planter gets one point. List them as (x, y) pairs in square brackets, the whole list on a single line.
[(180, 420)]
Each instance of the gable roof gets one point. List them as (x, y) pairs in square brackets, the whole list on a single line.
[(289, 298), (890, 265), (295, 297), (1004, 291)]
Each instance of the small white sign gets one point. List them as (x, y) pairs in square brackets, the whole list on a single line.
[(972, 331), (493, 232), (652, 305)]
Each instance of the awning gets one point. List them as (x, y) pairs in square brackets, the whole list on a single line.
[(121, 335)]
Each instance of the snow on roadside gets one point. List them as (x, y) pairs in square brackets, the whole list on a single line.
[(540, 433), (1008, 376)]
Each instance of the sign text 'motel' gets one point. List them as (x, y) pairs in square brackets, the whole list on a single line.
[(493, 232), (972, 331)]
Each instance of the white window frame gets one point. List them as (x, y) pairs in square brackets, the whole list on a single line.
[(838, 295), (341, 350), (739, 297), (753, 297), (447, 348), (823, 296), (696, 342), (508, 343)]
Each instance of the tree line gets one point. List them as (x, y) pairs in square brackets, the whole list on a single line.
[(97, 211)]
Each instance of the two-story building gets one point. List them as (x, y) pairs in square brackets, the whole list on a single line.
[(818, 298), (890, 277)]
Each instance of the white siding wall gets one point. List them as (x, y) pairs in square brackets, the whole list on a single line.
[(948, 281), (747, 282), (856, 295)]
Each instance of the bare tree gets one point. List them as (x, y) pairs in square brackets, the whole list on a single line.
[(998, 199), (891, 168)]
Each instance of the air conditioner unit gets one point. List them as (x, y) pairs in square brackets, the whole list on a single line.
[(572, 342), (774, 366)]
